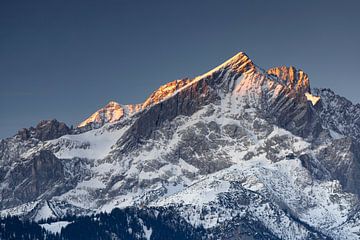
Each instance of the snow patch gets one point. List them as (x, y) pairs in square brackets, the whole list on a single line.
[(44, 212), (94, 144), (313, 99), (55, 227)]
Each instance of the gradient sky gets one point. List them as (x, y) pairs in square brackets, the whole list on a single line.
[(65, 59)]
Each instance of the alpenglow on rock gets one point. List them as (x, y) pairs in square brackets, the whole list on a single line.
[(237, 151)]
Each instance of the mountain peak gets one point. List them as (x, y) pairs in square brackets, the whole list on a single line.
[(239, 63), (240, 56), (45, 130), (112, 104), (294, 78), (111, 112)]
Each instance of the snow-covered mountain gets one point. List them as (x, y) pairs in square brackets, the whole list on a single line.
[(233, 148)]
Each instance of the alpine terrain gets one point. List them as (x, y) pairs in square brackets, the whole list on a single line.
[(236, 153)]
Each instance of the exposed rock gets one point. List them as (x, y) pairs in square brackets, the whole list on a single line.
[(45, 130), (292, 78)]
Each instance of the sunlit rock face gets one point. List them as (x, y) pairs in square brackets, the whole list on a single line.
[(165, 91), (292, 77), (110, 113), (279, 92), (113, 111), (295, 79)]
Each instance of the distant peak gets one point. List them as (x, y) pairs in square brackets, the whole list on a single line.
[(47, 122), (114, 111), (112, 104), (111, 112), (45, 130)]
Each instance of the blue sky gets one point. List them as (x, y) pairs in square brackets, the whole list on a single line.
[(65, 59)]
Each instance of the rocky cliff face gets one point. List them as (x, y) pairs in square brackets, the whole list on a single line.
[(338, 113), (292, 78), (233, 148), (39, 175)]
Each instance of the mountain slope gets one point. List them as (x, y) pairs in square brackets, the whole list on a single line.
[(233, 147)]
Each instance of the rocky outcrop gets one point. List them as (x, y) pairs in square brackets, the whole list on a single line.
[(42, 174), (31, 178), (185, 102), (341, 119), (112, 112), (290, 104), (342, 159), (338, 113), (292, 78), (45, 130)]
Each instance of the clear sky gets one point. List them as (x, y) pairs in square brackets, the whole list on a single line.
[(65, 59)]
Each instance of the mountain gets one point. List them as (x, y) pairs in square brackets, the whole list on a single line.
[(240, 152), (113, 111)]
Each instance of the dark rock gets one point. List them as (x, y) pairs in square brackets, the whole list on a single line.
[(45, 130)]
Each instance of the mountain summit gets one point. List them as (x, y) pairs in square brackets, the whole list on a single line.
[(237, 152), (238, 65), (112, 112)]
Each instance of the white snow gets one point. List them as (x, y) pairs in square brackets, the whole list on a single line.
[(336, 135), (92, 183), (55, 227), (313, 99), (147, 232), (19, 210), (44, 212), (185, 166), (94, 144)]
